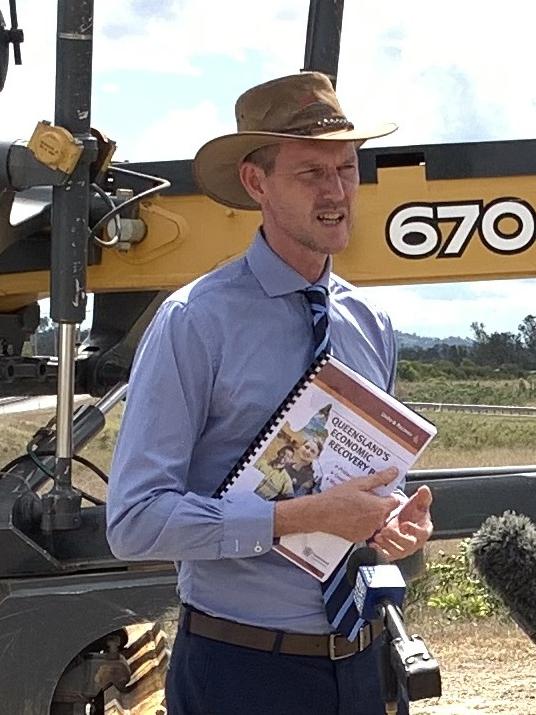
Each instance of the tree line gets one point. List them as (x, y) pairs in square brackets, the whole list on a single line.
[(512, 354), (504, 354)]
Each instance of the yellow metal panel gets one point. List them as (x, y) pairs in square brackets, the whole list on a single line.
[(186, 237), (474, 229), (476, 251)]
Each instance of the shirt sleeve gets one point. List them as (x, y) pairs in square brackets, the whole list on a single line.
[(152, 514)]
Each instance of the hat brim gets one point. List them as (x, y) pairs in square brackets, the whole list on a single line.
[(216, 164)]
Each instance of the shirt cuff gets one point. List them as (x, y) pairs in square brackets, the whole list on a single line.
[(248, 526)]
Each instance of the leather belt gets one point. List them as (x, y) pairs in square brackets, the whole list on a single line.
[(333, 646)]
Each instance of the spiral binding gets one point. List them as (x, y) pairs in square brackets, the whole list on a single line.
[(268, 428)]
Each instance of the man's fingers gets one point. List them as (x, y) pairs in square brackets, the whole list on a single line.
[(396, 546), (423, 498), (402, 541), (417, 506), (420, 532), (380, 479)]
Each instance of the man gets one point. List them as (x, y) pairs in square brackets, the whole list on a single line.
[(222, 353), (301, 470), (276, 483)]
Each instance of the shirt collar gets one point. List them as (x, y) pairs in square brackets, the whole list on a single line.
[(275, 276)]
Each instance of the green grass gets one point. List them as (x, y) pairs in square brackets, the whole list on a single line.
[(471, 431), (476, 440), (479, 392)]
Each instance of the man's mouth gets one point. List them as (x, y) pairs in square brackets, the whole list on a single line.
[(330, 218)]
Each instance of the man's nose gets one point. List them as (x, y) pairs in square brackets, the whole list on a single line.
[(332, 187)]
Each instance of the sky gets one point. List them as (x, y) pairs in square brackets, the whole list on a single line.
[(166, 74)]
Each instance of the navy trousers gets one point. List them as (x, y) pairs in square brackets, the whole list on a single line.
[(207, 677)]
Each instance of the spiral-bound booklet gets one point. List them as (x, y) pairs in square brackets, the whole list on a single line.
[(334, 425)]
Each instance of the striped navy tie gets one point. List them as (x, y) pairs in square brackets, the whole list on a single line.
[(337, 592), (317, 297)]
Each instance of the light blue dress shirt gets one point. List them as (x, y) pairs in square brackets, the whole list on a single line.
[(219, 357)]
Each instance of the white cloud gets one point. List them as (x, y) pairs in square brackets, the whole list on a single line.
[(451, 75), (190, 29), (450, 310), (461, 72), (29, 90), (172, 42), (109, 88), (179, 133)]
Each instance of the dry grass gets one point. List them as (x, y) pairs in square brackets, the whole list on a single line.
[(17, 430), (443, 458)]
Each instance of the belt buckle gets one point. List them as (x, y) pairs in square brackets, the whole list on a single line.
[(332, 648)]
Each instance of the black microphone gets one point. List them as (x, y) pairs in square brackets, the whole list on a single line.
[(503, 552), (405, 662)]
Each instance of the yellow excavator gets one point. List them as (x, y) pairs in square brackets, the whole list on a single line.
[(73, 222)]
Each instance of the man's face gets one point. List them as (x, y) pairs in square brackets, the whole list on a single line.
[(288, 455), (308, 451), (309, 195)]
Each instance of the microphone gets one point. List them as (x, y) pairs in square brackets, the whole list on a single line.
[(375, 582), (503, 552), (405, 663)]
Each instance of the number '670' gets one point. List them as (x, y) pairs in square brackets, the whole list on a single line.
[(413, 229)]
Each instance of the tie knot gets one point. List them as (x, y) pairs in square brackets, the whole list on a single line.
[(316, 295)]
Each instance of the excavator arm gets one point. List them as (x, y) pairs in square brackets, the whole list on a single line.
[(427, 214)]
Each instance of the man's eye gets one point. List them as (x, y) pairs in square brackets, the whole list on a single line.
[(310, 172)]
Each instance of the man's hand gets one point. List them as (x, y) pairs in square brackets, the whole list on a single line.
[(350, 510), (409, 530)]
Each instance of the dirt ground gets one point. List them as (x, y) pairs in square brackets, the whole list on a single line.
[(487, 667)]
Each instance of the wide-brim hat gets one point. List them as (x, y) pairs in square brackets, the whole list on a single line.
[(297, 107)]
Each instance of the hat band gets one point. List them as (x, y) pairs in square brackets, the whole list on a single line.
[(336, 123)]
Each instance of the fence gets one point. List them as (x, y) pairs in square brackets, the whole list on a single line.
[(484, 409)]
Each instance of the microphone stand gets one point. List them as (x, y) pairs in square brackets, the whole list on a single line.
[(406, 665)]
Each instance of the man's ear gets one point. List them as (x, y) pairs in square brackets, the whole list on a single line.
[(252, 178)]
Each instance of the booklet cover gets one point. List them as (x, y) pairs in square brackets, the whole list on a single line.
[(333, 426)]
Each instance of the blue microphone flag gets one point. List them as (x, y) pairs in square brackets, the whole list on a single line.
[(374, 584), (374, 580)]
